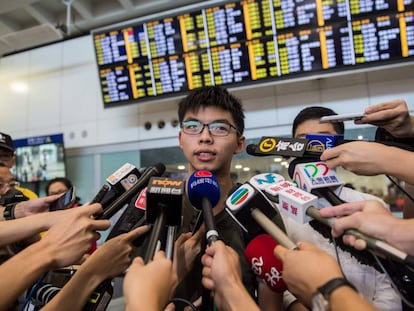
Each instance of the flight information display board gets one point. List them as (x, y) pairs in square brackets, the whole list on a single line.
[(249, 41)]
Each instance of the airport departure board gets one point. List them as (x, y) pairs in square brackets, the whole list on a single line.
[(249, 41)]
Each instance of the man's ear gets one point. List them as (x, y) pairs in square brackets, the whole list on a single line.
[(179, 139), (241, 145), (13, 160)]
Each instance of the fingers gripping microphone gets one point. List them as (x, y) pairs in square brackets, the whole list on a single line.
[(156, 170), (262, 261), (307, 179), (164, 204), (204, 193), (252, 211)]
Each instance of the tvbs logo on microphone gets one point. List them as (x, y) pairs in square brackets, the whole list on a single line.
[(239, 197)]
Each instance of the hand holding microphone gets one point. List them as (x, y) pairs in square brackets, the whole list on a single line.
[(321, 182), (306, 269), (222, 274), (369, 217)]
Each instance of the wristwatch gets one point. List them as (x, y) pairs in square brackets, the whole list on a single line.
[(8, 212), (320, 299)]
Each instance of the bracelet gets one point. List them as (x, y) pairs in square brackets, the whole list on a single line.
[(333, 284), (8, 212)]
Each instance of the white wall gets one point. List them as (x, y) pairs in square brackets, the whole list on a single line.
[(64, 96)]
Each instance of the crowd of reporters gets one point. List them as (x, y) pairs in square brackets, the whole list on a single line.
[(68, 234)]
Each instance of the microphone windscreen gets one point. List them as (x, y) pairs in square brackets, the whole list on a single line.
[(260, 258), (251, 149), (159, 168), (203, 184)]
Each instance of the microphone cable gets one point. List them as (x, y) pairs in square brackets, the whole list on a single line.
[(400, 188), (183, 301)]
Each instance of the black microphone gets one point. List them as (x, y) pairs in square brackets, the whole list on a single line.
[(204, 193), (164, 205), (132, 217), (252, 149), (255, 214), (282, 146), (118, 182), (156, 170), (310, 147)]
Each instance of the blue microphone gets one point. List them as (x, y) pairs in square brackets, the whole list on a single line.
[(204, 193)]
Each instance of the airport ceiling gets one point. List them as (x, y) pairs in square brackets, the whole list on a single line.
[(25, 24)]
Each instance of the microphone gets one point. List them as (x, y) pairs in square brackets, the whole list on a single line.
[(156, 170), (282, 146), (306, 178), (259, 255), (310, 147), (118, 182), (253, 212), (253, 150), (164, 204), (132, 217), (204, 193), (266, 182), (315, 177)]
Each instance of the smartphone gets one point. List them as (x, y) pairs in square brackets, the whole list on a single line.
[(342, 117), (65, 201)]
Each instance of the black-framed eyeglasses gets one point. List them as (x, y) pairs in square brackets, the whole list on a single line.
[(217, 128)]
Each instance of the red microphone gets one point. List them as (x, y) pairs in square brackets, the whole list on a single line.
[(262, 261)]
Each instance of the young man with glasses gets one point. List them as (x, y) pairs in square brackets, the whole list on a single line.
[(212, 125)]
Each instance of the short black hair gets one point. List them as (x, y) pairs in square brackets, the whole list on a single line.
[(62, 180), (316, 112), (213, 96)]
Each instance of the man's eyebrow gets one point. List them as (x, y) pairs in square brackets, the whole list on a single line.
[(214, 121)]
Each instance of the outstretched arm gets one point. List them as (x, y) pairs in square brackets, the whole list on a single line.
[(222, 274), (107, 262), (393, 116), (310, 267), (370, 218), (369, 158), (62, 245)]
